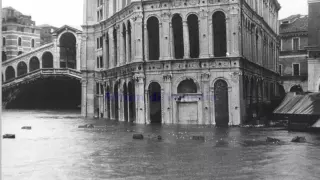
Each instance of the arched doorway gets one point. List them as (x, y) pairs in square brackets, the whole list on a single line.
[(125, 101), (221, 103), (34, 64), (47, 60), (22, 68), (155, 102), (193, 26), (10, 73), (68, 51), (178, 36), (153, 37), (132, 106), (297, 89), (219, 34), (116, 100)]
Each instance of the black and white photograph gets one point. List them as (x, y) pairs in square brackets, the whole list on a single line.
[(160, 90)]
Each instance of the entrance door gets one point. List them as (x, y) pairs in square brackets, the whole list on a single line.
[(155, 102), (221, 103)]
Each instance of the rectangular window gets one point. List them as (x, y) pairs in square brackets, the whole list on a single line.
[(101, 42), (280, 69), (101, 62), (295, 44), (97, 88), (97, 62), (98, 42), (296, 69)]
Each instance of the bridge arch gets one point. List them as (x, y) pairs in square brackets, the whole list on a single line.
[(10, 73), (47, 60), (68, 50), (34, 64), (22, 68)]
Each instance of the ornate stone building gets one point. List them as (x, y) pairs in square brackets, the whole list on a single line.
[(293, 63), (19, 33), (182, 61)]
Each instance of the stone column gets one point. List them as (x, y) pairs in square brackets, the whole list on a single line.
[(140, 99), (138, 39), (167, 99), (146, 43), (78, 53), (104, 51), (90, 93), (228, 34), (171, 42), (128, 47), (210, 39), (165, 53), (205, 78), (204, 41), (121, 47), (161, 39), (121, 102), (84, 98), (111, 51), (186, 40)]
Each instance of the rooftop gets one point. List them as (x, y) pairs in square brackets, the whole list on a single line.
[(294, 23)]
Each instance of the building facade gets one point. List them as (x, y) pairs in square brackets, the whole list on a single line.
[(314, 46), (19, 33), (183, 61), (293, 62)]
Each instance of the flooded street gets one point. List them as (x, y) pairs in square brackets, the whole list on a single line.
[(57, 149)]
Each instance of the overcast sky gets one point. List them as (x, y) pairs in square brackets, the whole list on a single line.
[(61, 12)]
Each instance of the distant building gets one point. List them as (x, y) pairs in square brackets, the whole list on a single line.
[(46, 33), (181, 61), (293, 66), (19, 33), (313, 47)]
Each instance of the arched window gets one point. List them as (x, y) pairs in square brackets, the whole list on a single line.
[(22, 68), (34, 64), (153, 37), (32, 43), (193, 35), (68, 51), (124, 39), (19, 41), (47, 60), (178, 36), (219, 34), (3, 41), (187, 86), (10, 73)]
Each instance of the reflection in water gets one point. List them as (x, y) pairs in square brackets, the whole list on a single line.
[(56, 149)]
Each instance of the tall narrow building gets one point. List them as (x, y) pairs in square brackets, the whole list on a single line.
[(179, 62), (314, 46)]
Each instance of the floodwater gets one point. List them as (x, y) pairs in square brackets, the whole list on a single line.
[(57, 149)]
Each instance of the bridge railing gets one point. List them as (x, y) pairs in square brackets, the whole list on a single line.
[(44, 71)]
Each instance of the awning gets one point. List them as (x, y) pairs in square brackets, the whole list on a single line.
[(307, 104)]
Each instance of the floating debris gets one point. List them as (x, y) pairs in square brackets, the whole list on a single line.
[(137, 136), (9, 136), (299, 139), (26, 127)]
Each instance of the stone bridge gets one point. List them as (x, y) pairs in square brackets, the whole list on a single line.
[(61, 58)]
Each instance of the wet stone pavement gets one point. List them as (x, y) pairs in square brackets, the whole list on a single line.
[(55, 148)]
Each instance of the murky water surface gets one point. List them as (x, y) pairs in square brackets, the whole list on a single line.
[(57, 149)]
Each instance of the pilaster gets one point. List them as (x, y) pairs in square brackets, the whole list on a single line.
[(204, 36), (186, 40), (140, 98)]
